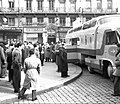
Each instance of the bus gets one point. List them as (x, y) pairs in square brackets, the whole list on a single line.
[(93, 43)]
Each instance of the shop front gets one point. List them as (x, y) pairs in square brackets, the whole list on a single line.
[(51, 38), (33, 34), (11, 35)]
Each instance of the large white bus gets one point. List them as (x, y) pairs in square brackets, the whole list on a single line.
[(94, 44)]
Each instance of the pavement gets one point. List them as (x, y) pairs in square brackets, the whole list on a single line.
[(48, 80)]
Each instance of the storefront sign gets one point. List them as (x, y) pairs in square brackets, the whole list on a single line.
[(33, 30)]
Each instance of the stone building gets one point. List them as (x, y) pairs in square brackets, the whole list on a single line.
[(49, 20)]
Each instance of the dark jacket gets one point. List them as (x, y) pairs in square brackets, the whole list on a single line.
[(2, 58), (63, 59)]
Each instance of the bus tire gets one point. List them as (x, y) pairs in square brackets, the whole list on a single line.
[(90, 69), (110, 72)]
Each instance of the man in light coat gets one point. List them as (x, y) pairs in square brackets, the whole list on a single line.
[(32, 67)]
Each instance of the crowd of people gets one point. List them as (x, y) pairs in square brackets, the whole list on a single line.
[(15, 57)]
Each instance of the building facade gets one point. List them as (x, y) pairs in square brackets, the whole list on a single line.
[(49, 20)]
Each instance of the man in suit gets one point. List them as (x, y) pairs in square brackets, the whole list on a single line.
[(117, 74)]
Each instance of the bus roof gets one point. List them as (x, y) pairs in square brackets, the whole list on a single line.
[(101, 19)]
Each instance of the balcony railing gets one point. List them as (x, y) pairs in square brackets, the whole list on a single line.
[(2, 9), (58, 10)]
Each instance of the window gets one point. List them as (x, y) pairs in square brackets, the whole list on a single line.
[(62, 5), (93, 23), (90, 39), (72, 1), (86, 40), (99, 4), (72, 5), (29, 20), (51, 4), (82, 40), (11, 4), (111, 38), (109, 4), (72, 19), (88, 18), (11, 21), (86, 26), (71, 31), (88, 4), (40, 5), (62, 21), (51, 20), (0, 3), (40, 19), (74, 41), (28, 4), (78, 28)]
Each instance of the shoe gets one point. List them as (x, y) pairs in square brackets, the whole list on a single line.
[(65, 76), (15, 91), (57, 71), (68, 76), (34, 99), (115, 94), (21, 97)]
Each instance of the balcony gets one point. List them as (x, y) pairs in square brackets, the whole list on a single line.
[(102, 10), (8, 10), (57, 10)]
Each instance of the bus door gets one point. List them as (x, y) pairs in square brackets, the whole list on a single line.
[(72, 53), (110, 44)]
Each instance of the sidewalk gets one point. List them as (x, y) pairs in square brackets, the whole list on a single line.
[(49, 79)]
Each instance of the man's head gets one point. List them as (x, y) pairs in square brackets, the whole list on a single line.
[(31, 51), (118, 45)]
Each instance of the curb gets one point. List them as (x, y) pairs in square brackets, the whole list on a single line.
[(15, 99)]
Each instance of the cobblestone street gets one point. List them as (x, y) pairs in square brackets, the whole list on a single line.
[(87, 89)]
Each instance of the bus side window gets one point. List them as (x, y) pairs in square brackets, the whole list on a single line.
[(111, 38), (86, 26), (93, 23), (74, 41), (78, 41)]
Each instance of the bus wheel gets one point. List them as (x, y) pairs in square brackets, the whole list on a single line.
[(91, 70), (110, 72)]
